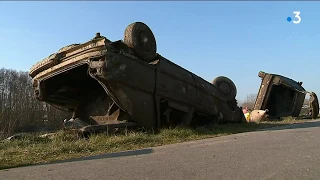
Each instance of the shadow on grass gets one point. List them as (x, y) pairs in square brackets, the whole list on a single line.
[(104, 156), (249, 127), (95, 157), (310, 124), (187, 134)]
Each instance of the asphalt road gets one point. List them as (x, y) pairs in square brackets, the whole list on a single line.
[(290, 152)]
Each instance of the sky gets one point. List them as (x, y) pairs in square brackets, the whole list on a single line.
[(210, 39)]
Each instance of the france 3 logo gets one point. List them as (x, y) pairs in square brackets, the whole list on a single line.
[(296, 19)]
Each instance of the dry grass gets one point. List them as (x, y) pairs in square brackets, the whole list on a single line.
[(66, 145)]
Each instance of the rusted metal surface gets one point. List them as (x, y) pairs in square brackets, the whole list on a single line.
[(314, 105), (282, 96), (106, 82)]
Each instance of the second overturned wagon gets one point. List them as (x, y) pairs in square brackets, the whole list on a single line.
[(105, 82)]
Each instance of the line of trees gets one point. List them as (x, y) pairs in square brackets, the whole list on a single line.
[(19, 110), (249, 101)]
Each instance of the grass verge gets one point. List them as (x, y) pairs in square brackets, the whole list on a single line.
[(67, 145)]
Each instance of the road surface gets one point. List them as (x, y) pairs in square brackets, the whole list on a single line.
[(290, 152)]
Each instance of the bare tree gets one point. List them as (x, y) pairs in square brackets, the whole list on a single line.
[(249, 101), (19, 110)]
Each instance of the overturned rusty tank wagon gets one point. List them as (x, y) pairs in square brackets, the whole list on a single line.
[(105, 82), (283, 96)]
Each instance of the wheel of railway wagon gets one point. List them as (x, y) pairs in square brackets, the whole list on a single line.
[(226, 86), (140, 38)]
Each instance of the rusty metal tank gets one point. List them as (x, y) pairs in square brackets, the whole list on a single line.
[(282, 96), (103, 82)]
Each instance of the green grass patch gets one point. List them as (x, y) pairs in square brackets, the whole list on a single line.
[(67, 145)]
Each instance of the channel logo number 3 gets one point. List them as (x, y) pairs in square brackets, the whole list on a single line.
[(297, 16)]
